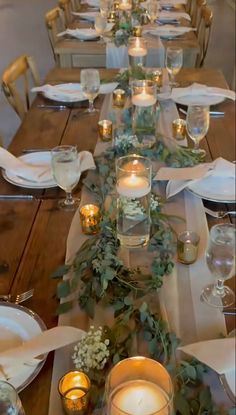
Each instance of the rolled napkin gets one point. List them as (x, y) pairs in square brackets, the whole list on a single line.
[(168, 30), (31, 352), (218, 354), (180, 178), (38, 173), (172, 15), (198, 89), (90, 16), (83, 34)]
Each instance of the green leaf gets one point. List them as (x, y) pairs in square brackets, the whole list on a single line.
[(64, 307), (89, 307), (191, 372), (181, 404), (63, 289), (60, 271)]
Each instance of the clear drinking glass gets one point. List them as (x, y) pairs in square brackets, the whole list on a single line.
[(66, 173), (100, 24), (197, 124), (90, 82), (105, 7), (220, 257), (174, 62), (152, 9), (10, 403)]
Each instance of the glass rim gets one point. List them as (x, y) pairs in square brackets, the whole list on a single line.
[(134, 156), (64, 147), (9, 387), (220, 226)]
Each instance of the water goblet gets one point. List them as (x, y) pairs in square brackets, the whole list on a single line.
[(174, 62), (90, 82), (66, 173), (220, 258), (105, 7), (152, 9), (100, 24), (197, 124), (10, 402)]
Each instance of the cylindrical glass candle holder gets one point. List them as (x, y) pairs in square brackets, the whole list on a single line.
[(137, 51), (179, 129), (105, 130), (144, 119), (90, 218), (187, 247), (139, 385), (119, 98), (74, 389), (133, 185), (9, 400)]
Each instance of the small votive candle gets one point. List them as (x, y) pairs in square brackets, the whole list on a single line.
[(119, 98), (74, 389), (179, 129), (157, 77), (187, 247), (105, 130), (90, 218), (137, 31), (111, 17)]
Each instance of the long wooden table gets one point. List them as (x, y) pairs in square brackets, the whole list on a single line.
[(33, 234)]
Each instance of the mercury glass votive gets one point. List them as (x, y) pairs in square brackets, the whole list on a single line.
[(112, 16), (74, 390), (90, 218), (157, 77), (139, 385), (119, 98), (105, 130), (179, 129), (137, 31), (187, 247)]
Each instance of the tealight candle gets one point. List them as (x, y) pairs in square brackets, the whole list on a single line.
[(179, 129), (143, 100), (187, 247), (90, 218), (133, 186), (73, 388), (125, 5), (105, 130), (119, 98), (137, 51), (137, 31)]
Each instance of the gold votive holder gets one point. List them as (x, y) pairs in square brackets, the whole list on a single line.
[(105, 130), (90, 218), (137, 31), (179, 129), (187, 247), (111, 18), (116, 5), (119, 98), (157, 77), (74, 390)]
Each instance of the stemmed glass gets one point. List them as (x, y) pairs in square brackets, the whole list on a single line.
[(66, 173), (197, 124), (174, 62), (100, 24), (220, 257), (152, 9), (105, 7), (90, 82)]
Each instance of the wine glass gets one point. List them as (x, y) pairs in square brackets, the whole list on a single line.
[(197, 124), (174, 62), (100, 24), (105, 7), (10, 402), (152, 9), (220, 257), (90, 82), (66, 173)]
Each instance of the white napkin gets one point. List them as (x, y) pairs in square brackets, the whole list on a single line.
[(218, 354), (198, 89), (71, 94), (168, 30), (92, 3), (31, 352), (172, 15), (172, 2), (179, 178), (82, 34), (38, 173), (116, 57), (90, 16)]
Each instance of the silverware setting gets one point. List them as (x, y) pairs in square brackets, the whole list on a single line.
[(229, 312), (215, 114), (53, 107), (19, 298), (35, 150), (220, 213), (30, 197)]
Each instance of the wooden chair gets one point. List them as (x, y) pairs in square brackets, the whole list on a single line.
[(75, 5), (197, 16), (67, 8), (55, 24), (188, 6), (193, 10), (204, 33), (22, 70)]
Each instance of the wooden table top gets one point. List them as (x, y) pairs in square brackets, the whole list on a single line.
[(34, 233)]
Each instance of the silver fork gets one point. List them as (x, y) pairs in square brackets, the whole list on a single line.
[(20, 298), (220, 213)]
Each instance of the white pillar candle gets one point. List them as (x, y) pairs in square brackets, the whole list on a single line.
[(143, 99), (137, 51), (133, 186), (139, 397)]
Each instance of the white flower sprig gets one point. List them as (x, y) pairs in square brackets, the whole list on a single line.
[(91, 352)]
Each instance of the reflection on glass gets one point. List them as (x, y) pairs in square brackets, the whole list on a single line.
[(197, 124)]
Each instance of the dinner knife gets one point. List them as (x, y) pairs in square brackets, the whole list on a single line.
[(30, 197)]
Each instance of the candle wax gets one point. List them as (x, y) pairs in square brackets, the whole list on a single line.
[(133, 186), (143, 99), (139, 397)]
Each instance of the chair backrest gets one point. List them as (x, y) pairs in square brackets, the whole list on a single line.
[(55, 24), (22, 70), (197, 16), (204, 34), (193, 10), (67, 7), (75, 5)]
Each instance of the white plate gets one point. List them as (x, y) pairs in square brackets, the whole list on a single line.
[(90, 16), (216, 189), (17, 325), (65, 93), (171, 35), (43, 157), (199, 100)]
